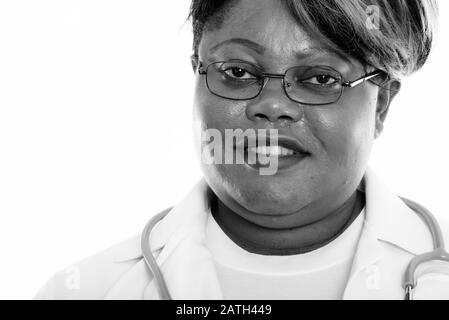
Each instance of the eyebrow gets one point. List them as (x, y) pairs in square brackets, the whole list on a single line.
[(241, 41), (320, 51)]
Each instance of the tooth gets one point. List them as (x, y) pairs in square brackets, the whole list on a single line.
[(271, 151), (289, 152), (268, 150), (276, 150)]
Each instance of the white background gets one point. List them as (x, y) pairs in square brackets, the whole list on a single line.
[(95, 131)]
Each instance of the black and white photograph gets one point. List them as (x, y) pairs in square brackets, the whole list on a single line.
[(213, 150)]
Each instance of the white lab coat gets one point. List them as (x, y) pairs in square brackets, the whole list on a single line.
[(391, 236)]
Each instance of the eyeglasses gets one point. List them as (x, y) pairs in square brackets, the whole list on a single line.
[(309, 85)]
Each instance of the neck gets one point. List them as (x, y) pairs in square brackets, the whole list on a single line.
[(301, 239)]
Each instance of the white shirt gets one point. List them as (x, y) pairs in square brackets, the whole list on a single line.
[(318, 274)]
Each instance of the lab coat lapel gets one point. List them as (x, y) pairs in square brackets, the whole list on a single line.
[(376, 273), (363, 278), (183, 257), (178, 243), (392, 220)]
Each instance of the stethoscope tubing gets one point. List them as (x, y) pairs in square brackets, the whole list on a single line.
[(439, 253), (149, 258)]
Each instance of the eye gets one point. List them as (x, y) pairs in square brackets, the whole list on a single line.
[(238, 73), (322, 80)]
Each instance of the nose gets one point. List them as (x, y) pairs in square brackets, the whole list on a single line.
[(273, 105)]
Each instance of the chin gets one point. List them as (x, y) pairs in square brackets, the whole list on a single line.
[(265, 196), (269, 201)]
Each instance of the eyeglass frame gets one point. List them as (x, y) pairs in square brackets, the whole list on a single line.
[(266, 75)]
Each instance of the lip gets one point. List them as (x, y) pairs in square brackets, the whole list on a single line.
[(284, 161), (282, 141), (292, 144)]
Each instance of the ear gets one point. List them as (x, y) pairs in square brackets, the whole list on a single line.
[(194, 61), (385, 96)]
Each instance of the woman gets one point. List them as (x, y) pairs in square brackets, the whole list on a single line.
[(290, 96)]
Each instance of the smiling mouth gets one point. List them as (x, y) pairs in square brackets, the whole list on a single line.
[(286, 151)]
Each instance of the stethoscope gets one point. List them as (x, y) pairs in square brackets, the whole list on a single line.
[(409, 282)]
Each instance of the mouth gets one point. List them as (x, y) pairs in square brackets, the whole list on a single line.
[(286, 151), (272, 151)]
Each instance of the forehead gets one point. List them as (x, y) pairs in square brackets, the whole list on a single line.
[(266, 22)]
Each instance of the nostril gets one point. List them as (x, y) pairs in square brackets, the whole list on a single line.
[(261, 116), (285, 118)]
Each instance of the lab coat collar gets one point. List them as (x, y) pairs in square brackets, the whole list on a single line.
[(179, 242), (389, 219), (195, 203)]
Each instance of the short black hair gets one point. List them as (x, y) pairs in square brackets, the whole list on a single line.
[(400, 45)]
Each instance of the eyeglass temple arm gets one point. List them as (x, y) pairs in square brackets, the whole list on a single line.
[(195, 57), (363, 79), (200, 69)]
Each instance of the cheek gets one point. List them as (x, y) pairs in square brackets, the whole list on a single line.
[(346, 129), (215, 112)]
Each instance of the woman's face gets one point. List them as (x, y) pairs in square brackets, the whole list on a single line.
[(338, 137)]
